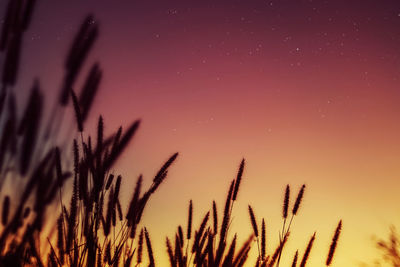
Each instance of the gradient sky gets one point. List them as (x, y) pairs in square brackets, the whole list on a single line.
[(306, 91)]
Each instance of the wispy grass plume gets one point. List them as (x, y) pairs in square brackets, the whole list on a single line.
[(332, 248), (307, 251)]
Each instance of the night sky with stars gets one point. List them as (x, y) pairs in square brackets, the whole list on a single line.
[(306, 91)]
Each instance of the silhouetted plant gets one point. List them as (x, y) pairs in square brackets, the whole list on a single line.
[(391, 248), (29, 157), (210, 246)]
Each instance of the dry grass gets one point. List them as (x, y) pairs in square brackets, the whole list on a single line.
[(211, 247), (390, 248)]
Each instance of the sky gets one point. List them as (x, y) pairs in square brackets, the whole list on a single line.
[(305, 91)]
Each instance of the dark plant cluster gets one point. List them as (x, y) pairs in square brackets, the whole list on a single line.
[(95, 231), (390, 248), (211, 247), (34, 171)]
